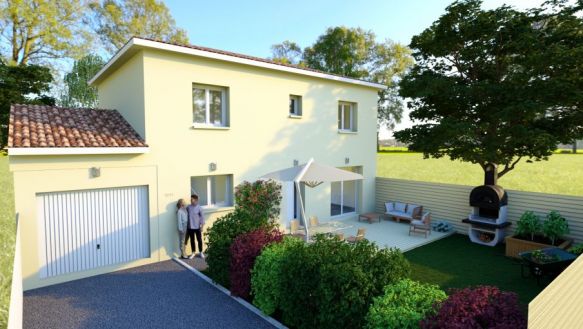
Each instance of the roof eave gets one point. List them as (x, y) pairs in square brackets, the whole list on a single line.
[(137, 42), (19, 151)]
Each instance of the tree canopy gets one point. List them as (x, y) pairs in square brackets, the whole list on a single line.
[(287, 52), (78, 93), (117, 21), (22, 84), (40, 30), (496, 86)]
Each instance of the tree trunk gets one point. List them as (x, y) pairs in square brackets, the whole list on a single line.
[(575, 147)]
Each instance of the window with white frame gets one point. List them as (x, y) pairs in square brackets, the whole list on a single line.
[(209, 106), (213, 191), (295, 105), (346, 116)]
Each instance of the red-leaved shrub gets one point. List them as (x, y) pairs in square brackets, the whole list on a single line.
[(477, 308), (245, 248)]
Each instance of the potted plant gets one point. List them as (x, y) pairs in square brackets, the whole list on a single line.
[(530, 234)]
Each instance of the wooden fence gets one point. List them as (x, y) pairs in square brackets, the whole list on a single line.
[(450, 202)]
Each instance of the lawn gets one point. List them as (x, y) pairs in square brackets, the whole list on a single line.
[(455, 262), (561, 174), (7, 235)]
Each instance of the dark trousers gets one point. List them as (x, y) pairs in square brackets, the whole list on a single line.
[(190, 234)]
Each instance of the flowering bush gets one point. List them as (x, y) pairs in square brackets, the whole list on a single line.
[(244, 251), (260, 198), (477, 308), (266, 276), (403, 305), (243, 219)]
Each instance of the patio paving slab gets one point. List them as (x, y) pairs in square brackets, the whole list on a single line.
[(390, 234), (159, 295)]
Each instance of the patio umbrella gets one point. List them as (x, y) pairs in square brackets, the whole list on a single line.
[(311, 174)]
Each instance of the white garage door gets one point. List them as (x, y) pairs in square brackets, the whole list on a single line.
[(82, 230)]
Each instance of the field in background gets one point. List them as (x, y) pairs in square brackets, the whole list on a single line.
[(7, 235), (561, 174)]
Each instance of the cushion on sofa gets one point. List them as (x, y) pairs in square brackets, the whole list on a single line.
[(401, 207), (411, 208), (389, 206)]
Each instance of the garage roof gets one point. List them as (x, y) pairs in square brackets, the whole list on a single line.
[(58, 130)]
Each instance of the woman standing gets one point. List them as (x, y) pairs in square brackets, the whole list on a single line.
[(182, 218)]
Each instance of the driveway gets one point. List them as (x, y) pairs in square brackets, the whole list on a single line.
[(160, 295)]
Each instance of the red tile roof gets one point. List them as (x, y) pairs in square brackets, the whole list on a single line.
[(53, 126)]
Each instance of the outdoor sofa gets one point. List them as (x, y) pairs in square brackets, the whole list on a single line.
[(401, 210)]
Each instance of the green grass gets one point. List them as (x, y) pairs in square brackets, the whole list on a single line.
[(455, 262), (561, 174), (7, 237)]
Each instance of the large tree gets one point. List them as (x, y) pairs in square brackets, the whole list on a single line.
[(117, 21), (355, 53), (41, 30), (287, 52), (22, 84), (78, 93), (496, 86)]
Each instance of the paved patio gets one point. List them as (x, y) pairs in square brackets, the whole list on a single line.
[(389, 233), (160, 295)]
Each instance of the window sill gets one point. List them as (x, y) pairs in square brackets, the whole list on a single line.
[(349, 132), (295, 116), (209, 127), (211, 210)]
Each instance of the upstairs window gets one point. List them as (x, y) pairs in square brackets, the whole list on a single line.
[(295, 106), (209, 106), (346, 117)]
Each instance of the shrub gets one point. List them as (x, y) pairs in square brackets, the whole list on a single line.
[(225, 229), (220, 237), (403, 305), (266, 276), (576, 249), (244, 250), (555, 226), (330, 284), (477, 308), (528, 225), (260, 198)]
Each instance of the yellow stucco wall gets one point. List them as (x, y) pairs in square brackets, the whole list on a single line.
[(261, 138)]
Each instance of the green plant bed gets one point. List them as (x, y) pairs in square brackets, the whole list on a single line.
[(455, 262)]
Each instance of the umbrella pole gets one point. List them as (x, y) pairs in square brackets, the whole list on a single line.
[(302, 209)]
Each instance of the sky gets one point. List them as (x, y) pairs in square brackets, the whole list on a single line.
[(252, 26)]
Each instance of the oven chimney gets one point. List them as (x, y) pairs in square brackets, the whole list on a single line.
[(491, 174)]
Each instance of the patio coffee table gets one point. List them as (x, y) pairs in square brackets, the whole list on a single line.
[(554, 262), (370, 216)]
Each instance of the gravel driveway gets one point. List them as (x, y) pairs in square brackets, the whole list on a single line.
[(160, 295)]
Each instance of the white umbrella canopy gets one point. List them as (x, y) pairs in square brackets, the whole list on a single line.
[(312, 174)]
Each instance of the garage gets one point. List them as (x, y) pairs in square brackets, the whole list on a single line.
[(88, 229)]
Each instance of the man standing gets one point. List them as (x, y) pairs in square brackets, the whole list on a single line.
[(195, 224)]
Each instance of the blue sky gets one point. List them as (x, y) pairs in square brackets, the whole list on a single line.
[(252, 26)]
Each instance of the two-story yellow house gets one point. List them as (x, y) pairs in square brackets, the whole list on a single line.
[(95, 190)]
